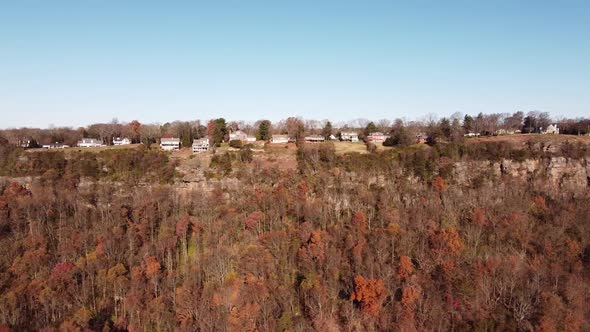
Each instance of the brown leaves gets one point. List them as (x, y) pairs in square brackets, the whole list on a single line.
[(439, 184), (540, 205), (151, 266), (452, 239), (359, 222), (573, 248), (410, 294), (405, 267), (539, 208), (182, 226), (61, 271), (394, 229), (244, 318), (253, 219), (478, 217), (574, 320), (14, 189), (302, 190), (357, 250), (447, 240), (314, 250), (369, 294)]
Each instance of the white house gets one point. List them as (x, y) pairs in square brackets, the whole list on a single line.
[(24, 143), (551, 129), (421, 138), (55, 145), (279, 139), (121, 141), (471, 134), (242, 136), (89, 143), (315, 138), (200, 145), (377, 137), (349, 136), (237, 135), (506, 131), (170, 143)]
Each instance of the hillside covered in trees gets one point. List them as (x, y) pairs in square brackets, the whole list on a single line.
[(388, 240)]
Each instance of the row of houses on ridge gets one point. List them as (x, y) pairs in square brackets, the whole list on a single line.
[(96, 143), (203, 144), (173, 144), (551, 129), (83, 143)]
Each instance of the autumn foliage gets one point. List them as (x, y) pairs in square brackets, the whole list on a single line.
[(439, 184), (385, 241), (405, 267), (369, 294)]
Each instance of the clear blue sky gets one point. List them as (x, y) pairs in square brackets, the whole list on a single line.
[(82, 61)]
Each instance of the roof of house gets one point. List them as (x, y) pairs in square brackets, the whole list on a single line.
[(90, 140), (201, 140)]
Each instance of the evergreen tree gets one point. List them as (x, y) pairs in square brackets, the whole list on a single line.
[(264, 130), (217, 131), (445, 128), (370, 128), (468, 123), (327, 130)]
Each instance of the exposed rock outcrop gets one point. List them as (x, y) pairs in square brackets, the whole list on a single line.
[(563, 173)]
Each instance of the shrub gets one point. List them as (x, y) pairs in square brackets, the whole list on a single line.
[(236, 143), (222, 163), (246, 155), (401, 137)]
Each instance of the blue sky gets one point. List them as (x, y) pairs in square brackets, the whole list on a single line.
[(77, 62)]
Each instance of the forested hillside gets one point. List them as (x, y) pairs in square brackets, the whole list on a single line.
[(389, 240)]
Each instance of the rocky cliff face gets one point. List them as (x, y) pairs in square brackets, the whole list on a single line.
[(563, 173), (569, 175)]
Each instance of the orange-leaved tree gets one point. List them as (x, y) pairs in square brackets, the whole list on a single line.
[(369, 294)]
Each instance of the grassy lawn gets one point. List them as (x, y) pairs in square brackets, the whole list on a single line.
[(102, 148), (381, 147), (280, 149), (346, 147)]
